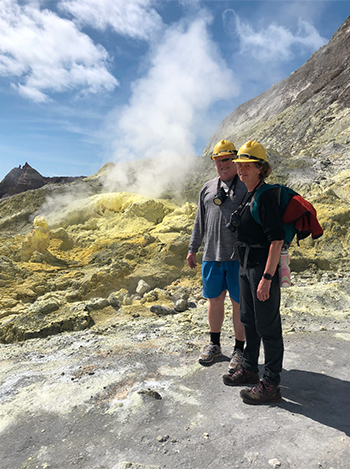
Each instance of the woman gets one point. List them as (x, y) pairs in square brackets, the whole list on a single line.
[(259, 249)]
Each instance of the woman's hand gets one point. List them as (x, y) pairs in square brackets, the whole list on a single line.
[(263, 291)]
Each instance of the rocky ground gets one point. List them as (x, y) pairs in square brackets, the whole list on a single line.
[(129, 393), (101, 325)]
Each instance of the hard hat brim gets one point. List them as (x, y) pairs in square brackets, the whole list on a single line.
[(225, 153), (248, 158)]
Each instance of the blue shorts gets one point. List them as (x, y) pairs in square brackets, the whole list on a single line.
[(220, 276)]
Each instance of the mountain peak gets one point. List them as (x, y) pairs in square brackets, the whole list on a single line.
[(21, 179)]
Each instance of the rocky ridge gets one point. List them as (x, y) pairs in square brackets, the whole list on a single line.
[(25, 178), (306, 113)]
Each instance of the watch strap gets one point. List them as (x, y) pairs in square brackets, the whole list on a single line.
[(267, 276)]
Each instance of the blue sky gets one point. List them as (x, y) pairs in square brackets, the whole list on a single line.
[(84, 82)]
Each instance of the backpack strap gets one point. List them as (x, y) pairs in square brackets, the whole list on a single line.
[(255, 200), (284, 195)]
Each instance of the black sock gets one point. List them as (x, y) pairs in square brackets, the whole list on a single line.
[(215, 338), (239, 345)]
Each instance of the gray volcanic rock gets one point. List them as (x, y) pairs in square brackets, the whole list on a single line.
[(21, 179), (132, 395), (307, 111)]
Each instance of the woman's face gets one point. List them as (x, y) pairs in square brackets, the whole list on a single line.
[(248, 173)]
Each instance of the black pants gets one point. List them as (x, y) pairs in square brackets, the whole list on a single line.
[(262, 322)]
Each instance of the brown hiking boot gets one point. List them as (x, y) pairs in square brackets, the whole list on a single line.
[(263, 393), (240, 376)]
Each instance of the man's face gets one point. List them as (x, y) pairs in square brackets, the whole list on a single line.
[(225, 167)]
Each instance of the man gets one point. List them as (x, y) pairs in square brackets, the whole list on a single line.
[(218, 198)]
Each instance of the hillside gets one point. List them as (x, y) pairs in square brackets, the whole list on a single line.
[(307, 113)]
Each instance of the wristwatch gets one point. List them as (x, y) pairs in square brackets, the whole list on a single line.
[(267, 276)]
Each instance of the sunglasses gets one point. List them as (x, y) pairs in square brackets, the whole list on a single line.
[(224, 159)]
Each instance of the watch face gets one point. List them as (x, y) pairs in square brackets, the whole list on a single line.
[(267, 276)]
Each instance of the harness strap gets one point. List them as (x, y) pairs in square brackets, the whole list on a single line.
[(247, 248)]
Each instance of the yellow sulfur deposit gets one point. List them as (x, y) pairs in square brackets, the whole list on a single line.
[(37, 240), (67, 269)]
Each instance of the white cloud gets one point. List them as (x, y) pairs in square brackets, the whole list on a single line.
[(186, 77), (134, 18), (274, 42), (48, 53)]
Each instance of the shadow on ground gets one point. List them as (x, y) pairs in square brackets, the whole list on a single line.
[(319, 397)]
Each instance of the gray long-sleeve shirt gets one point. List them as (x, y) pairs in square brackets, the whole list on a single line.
[(211, 220)]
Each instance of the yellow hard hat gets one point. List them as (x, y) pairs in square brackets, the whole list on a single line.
[(251, 151), (224, 147)]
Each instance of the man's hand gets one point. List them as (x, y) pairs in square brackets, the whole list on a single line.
[(191, 260)]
